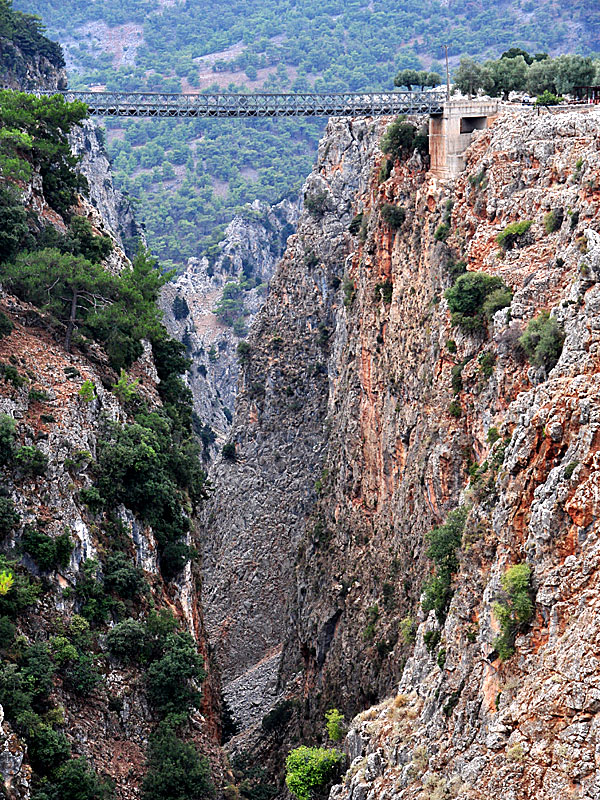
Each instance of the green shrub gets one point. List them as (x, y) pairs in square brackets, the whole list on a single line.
[(74, 780), (398, 141), (12, 375), (467, 299), (87, 392), (175, 770), (92, 498), (49, 553), (487, 362), (496, 300), (354, 226), (553, 220), (349, 292), (515, 609), (81, 676), (492, 435), (63, 652), (38, 396), (123, 577), (431, 639), (513, 234), (47, 748), (127, 640), (124, 389), (38, 669), (547, 98), (180, 307), (7, 440), (169, 677), (6, 325), (444, 543), (570, 469), (385, 170), (316, 204), (243, 352), (455, 409), (31, 461), (393, 216), (22, 591), (543, 341), (311, 771), (334, 722), (408, 630), (442, 232), (145, 467), (228, 451), (89, 590), (9, 518)]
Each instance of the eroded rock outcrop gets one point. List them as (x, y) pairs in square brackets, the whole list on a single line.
[(247, 256)]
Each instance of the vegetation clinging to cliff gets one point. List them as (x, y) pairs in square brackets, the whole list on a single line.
[(26, 32)]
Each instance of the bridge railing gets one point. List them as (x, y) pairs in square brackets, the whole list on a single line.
[(329, 104)]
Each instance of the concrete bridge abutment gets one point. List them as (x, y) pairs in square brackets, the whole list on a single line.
[(451, 132)]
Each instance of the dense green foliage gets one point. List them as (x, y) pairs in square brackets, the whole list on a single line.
[(48, 552), (26, 32), (175, 770), (444, 543), (334, 722), (33, 132), (514, 609), (474, 298), (400, 139), (543, 341), (174, 669), (310, 771), (144, 466), (516, 70)]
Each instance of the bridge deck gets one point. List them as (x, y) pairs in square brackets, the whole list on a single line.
[(370, 104)]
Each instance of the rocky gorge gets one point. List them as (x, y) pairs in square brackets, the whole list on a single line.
[(395, 390)]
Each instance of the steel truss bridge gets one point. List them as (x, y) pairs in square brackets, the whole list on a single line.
[(332, 104)]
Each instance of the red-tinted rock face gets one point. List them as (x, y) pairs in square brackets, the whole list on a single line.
[(396, 444)]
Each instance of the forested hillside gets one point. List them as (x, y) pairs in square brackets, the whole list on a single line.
[(190, 177)]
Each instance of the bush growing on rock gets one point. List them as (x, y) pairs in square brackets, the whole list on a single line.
[(543, 341), (169, 678), (334, 722), (513, 234), (49, 553), (9, 518), (393, 216), (444, 543), (515, 609), (474, 298), (176, 771), (311, 770), (399, 140)]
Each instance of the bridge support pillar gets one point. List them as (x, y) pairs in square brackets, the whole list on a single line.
[(451, 132)]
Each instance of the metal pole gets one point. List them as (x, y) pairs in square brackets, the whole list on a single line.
[(447, 75)]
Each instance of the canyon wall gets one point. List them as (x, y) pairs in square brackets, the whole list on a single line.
[(364, 418)]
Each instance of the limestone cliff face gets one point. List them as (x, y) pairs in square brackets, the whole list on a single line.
[(469, 725), (348, 451), (25, 73), (251, 247), (262, 502), (111, 205)]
